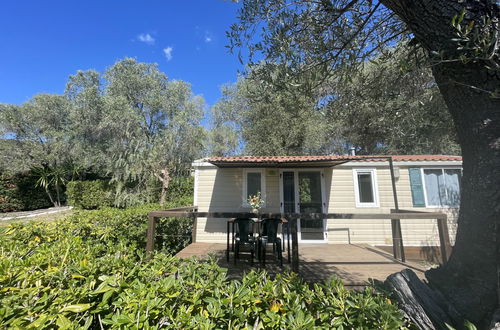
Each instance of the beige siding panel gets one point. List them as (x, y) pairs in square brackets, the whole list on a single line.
[(220, 190), (378, 232), (211, 230)]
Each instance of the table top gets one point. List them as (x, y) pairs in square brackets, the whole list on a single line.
[(283, 220)]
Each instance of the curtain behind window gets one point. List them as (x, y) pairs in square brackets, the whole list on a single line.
[(434, 186), (442, 187), (452, 180)]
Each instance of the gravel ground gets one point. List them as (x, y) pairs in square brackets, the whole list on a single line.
[(34, 213)]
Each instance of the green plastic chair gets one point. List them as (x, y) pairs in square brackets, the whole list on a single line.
[(270, 236), (244, 236)]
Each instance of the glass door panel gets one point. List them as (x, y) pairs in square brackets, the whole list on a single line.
[(310, 201), (289, 192)]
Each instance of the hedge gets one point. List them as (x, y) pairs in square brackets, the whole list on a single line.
[(19, 193), (180, 188), (89, 195), (89, 271), (95, 194)]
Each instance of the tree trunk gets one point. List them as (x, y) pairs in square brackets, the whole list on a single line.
[(58, 195), (47, 191), (164, 177), (470, 279)]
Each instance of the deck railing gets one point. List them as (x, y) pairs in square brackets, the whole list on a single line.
[(395, 216)]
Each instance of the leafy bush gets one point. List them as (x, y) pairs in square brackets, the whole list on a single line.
[(89, 194), (181, 188), (19, 193), (95, 194), (90, 271)]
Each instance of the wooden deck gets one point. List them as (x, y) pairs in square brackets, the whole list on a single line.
[(353, 263)]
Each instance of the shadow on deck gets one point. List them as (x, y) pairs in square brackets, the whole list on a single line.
[(353, 263)]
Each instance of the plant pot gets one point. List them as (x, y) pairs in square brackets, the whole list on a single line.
[(256, 211)]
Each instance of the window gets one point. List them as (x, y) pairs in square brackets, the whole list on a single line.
[(365, 187), (442, 187), (253, 183)]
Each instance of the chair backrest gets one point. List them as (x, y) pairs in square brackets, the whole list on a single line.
[(270, 229), (244, 229)]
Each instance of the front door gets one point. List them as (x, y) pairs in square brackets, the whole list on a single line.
[(302, 192)]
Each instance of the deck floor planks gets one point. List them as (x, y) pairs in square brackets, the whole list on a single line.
[(355, 264)]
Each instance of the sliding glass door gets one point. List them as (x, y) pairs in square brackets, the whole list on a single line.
[(302, 192)]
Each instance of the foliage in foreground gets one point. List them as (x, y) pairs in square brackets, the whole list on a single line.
[(89, 271)]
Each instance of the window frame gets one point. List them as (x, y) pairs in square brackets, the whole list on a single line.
[(373, 173), (422, 175), (244, 196)]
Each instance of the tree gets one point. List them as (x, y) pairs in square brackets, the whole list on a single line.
[(131, 124), (393, 106), (88, 115), (270, 120), (461, 41), (156, 128), (39, 129)]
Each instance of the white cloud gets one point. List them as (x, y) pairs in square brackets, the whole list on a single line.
[(168, 52), (146, 38), (208, 37)]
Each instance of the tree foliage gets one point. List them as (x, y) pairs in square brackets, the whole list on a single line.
[(392, 105), (271, 120), (130, 124), (40, 130)]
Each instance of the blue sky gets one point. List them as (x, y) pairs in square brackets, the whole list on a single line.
[(43, 42)]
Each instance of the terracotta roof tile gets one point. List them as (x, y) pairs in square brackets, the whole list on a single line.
[(289, 159)]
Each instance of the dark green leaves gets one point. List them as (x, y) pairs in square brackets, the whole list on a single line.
[(88, 271)]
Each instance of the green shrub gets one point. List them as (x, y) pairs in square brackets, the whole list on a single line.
[(89, 195), (181, 188), (90, 271), (19, 193)]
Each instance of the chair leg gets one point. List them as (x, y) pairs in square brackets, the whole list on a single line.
[(263, 248), (236, 252), (280, 254), (252, 250)]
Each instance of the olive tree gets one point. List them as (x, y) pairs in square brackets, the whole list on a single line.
[(270, 120), (460, 39), (38, 131), (156, 128)]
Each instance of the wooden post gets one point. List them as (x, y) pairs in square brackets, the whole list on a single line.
[(444, 238), (398, 249), (288, 241), (295, 245), (150, 243), (195, 225), (227, 235)]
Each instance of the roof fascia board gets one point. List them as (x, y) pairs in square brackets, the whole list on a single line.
[(204, 163), (405, 163)]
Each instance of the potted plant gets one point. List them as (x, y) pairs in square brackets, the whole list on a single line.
[(255, 202)]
